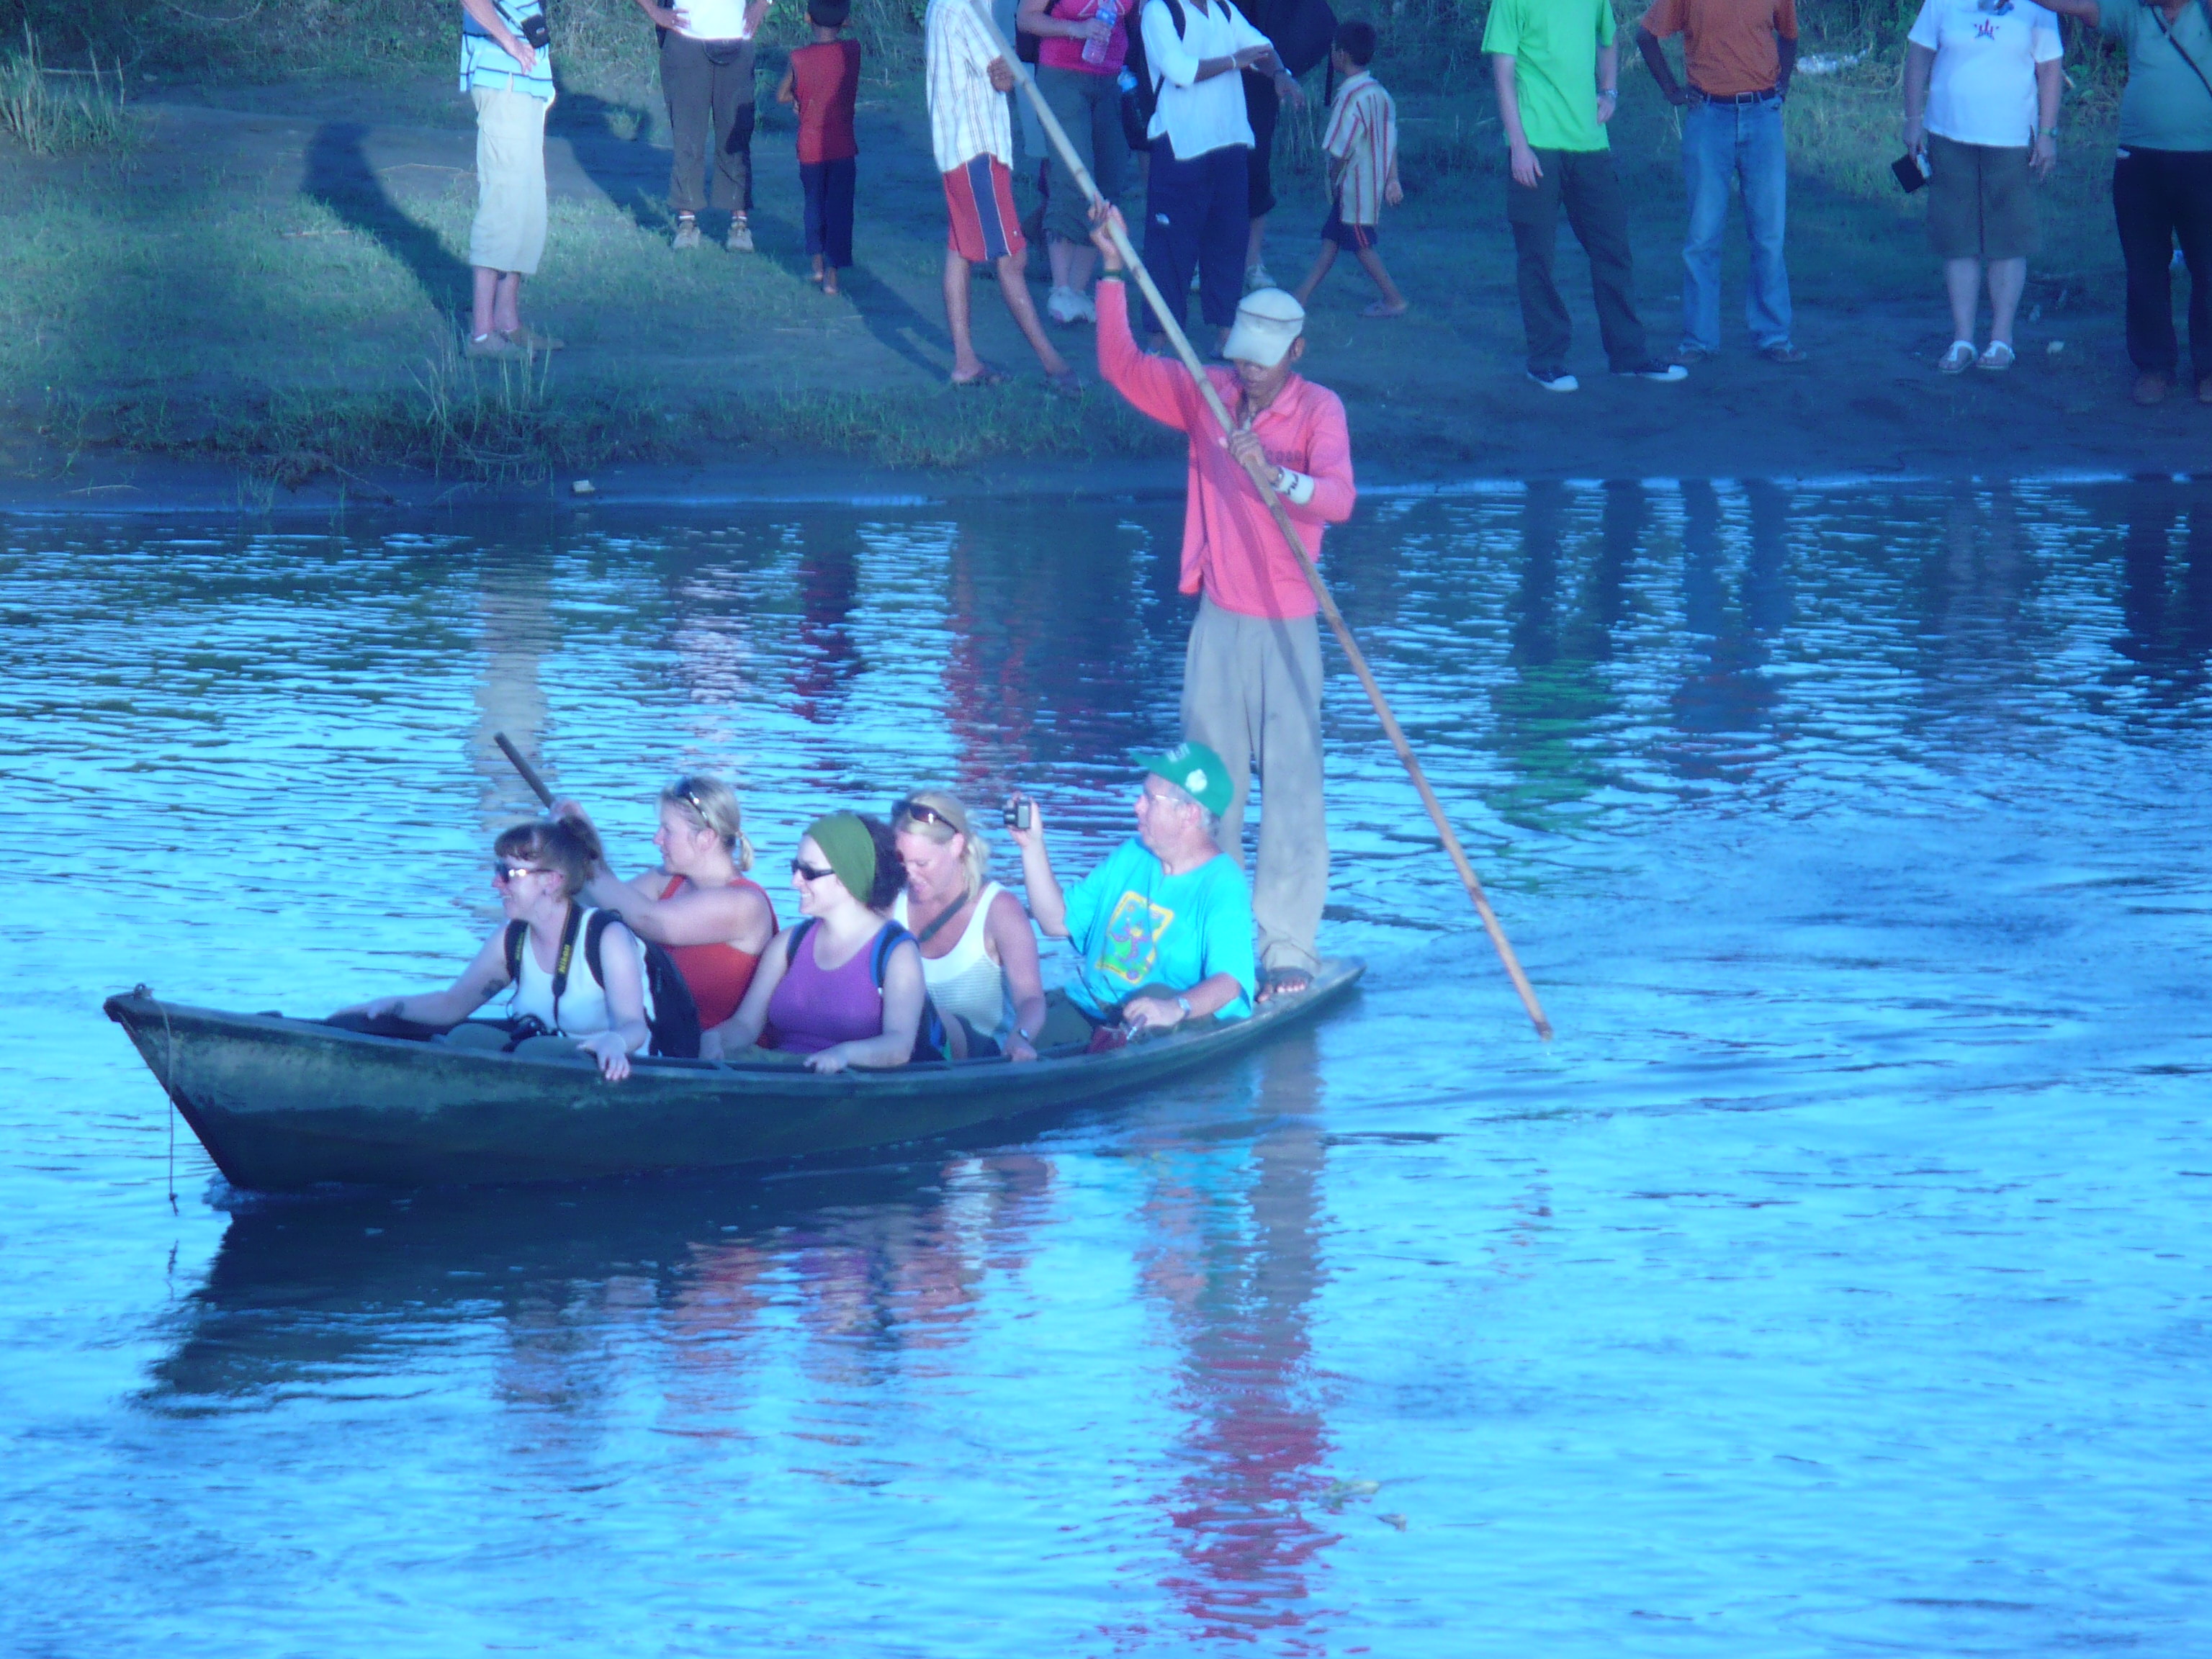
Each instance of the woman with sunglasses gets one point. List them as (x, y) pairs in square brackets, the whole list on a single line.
[(979, 954), (833, 989), (699, 903), (539, 870)]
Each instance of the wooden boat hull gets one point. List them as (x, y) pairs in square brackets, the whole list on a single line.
[(284, 1104)]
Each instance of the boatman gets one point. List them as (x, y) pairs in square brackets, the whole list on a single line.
[(1251, 686)]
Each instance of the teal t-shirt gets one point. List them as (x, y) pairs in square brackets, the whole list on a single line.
[(1554, 45), (2166, 105), (1135, 925)]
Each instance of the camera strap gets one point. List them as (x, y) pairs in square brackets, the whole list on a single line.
[(2158, 16)]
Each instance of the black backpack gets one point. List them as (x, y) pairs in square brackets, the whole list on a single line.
[(929, 1036), (673, 1016)]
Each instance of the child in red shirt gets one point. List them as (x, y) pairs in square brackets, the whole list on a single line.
[(822, 82)]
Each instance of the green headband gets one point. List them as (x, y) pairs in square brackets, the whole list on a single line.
[(851, 850)]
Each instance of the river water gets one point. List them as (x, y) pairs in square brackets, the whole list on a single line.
[(1836, 1283)]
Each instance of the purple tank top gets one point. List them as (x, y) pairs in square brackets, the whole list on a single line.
[(816, 1008)]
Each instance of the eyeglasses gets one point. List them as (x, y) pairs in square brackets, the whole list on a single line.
[(509, 874), (925, 814), (801, 867)]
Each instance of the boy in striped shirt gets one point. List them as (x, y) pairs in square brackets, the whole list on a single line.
[(1362, 142)]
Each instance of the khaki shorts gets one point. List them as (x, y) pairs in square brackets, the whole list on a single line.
[(1980, 204), (509, 230)]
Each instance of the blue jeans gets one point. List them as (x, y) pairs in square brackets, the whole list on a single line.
[(1742, 142)]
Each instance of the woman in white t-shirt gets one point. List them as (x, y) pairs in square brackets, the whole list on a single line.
[(1982, 81)]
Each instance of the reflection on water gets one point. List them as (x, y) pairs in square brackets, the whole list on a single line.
[(1833, 1283)]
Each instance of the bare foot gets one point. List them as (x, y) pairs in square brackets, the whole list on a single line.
[(1384, 308)]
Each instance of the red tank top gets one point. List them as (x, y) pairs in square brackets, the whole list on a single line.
[(717, 973), (825, 79)]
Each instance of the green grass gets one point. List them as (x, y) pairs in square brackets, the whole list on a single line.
[(58, 111)]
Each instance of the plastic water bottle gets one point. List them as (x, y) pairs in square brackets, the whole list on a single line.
[(1094, 52)]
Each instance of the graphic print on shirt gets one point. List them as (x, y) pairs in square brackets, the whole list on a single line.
[(1132, 948)]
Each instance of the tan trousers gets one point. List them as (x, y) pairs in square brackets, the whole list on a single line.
[(1251, 692), (509, 230)]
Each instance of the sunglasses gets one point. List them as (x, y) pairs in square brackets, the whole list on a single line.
[(509, 874), (802, 868), (922, 814)]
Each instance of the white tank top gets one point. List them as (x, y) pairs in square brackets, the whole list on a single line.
[(965, 981), (584, 1000)]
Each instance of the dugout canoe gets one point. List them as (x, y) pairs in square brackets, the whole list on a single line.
[(282, 1104)]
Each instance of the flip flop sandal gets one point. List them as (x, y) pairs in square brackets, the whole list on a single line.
[(988, 377), (1997, 359), (1380, 309)]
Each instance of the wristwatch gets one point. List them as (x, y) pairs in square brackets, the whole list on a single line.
[(1183, 1003)]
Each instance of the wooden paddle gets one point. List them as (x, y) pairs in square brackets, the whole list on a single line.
[(529, 773), (1258, 474)]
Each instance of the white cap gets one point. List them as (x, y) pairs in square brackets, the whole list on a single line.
[(1267, 323)]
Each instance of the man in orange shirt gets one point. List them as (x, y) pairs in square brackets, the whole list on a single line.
[(1251, 685), (1738, 55)]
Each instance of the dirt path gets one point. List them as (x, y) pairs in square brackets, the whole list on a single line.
[(253, 252)]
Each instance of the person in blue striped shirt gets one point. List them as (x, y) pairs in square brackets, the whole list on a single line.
[(506, 70)]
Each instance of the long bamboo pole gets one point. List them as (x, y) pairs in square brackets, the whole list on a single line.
[(1135, 267)]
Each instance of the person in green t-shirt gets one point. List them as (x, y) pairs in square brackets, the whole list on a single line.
[(1164, 927), (2162, 180), (1558, 72)]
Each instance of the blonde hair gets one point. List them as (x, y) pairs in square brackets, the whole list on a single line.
[(708, 803), (974, 859)]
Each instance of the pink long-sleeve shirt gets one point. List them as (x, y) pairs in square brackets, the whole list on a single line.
[(1232, 552)]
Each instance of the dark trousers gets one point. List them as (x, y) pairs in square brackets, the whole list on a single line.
[(1195, 217), (829, 214), (1262, 108), (710, 89), (1584, 183), (2158, 195)]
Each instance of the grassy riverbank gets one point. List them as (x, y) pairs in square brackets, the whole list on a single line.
[(261, 261)]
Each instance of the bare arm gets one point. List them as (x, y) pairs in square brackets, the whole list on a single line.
[(479, 982), (1209, 996), (1006, 930), (736, 914), (2086, 10), (1919, 65), (1527, 170), (904, 993), (2050, 85), (786, 90), (1608, 82), (668, 17), (1662, 72), (1785, 47), (1047, 903), (624, 985)]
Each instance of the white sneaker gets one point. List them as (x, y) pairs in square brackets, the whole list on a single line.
[(1257, 278), (1557, 383), (1064, 306), (1086, 306)]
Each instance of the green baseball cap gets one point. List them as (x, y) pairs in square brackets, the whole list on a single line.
[(1195, 769)]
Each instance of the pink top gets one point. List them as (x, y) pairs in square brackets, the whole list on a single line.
[(1231, 550), (815, 1008), (1058, 52)]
